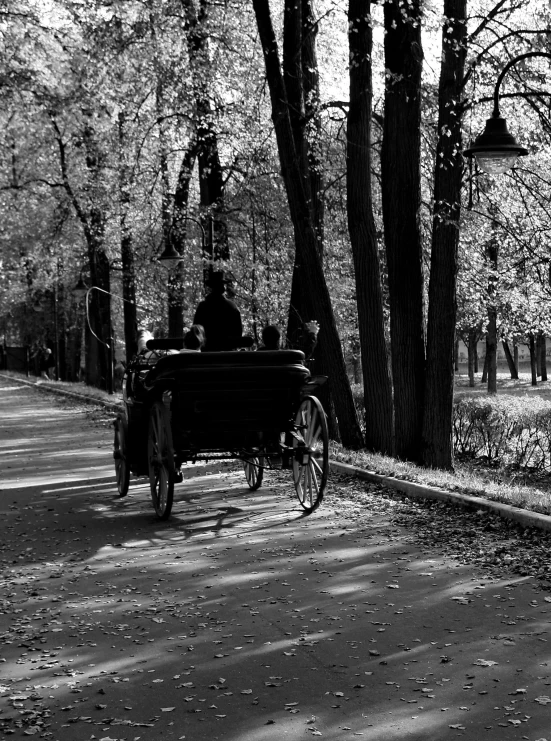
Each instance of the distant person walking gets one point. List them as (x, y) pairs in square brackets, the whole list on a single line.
[(47, 363), (220, 317)]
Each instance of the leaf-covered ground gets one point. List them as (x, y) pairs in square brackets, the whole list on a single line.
[(241, 619)]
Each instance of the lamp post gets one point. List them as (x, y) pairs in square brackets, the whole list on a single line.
[(496, 149)]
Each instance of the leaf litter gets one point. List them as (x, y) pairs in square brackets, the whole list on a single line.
[(466, 537)]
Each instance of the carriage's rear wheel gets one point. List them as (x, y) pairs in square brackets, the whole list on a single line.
[(120, 453), (311, 453), (254, 471), (160, 453)]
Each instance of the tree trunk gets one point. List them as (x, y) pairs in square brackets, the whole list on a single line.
[(510, 360), (533, 360), (298, 56), (211, 181), (127, 248), (543, 357), (317, 294), (471, 353), (491, 332), (401, 200), (491, 352), (484, 378), (178, 233), (361, 225), (442, 309)]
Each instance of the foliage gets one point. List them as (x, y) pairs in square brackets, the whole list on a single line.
[(509, 431)]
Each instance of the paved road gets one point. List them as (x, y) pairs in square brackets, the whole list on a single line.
[(240, 619)]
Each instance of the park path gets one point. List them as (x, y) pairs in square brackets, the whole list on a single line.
[(240, 618)]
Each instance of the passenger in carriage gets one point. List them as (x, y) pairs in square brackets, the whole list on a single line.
[(194, 339), (220, 317), (271, 338)]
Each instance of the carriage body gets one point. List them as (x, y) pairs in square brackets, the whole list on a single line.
[(254, 406)]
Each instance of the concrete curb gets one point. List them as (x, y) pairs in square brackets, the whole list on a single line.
[(522, 516), (507, 512)]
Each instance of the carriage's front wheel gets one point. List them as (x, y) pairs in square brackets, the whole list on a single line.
[(254, 471), (311, 453), (160, 453), (120, 453)]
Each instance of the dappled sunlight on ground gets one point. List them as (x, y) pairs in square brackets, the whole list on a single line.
[(243, 619)]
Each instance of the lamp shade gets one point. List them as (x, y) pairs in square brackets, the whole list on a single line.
[(496, 149), (80, 290), (170, 257)]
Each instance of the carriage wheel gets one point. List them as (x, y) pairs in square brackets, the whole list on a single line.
[(311, 454), (120, 453), (254, 471), (160, 454)]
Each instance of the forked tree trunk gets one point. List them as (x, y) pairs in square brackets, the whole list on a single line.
[(300, 77), (361, 226), (401, 200), (317, 294), (442, 309)]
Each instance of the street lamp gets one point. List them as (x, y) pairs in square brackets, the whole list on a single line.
[(80, 290), (170, 256), (496, 149)]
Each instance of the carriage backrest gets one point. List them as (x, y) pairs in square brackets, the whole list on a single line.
[(231, 390)]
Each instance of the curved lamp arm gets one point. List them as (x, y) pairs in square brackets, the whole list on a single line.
[(506, 69)]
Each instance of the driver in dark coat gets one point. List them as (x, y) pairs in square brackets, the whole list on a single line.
[(219, 316)]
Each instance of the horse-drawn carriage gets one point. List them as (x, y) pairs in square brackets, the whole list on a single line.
[(257, 407)]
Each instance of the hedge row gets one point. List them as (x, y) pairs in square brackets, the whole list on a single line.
[(514, 431), (510, 431)]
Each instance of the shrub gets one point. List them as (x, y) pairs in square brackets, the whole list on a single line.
[(510, 430)]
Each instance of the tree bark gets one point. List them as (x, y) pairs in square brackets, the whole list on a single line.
[(533, 360), (317, 294), (211, 181), (442, 309), (178, 233), (361, 225), (92, 218), (127, 251), (472, 353), (543, 357), (491, 332), (510, 360), (401, 200)]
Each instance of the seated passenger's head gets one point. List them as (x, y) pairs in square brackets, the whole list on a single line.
[(271, 337), (194, 339)]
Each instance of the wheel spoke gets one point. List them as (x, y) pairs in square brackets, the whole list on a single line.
[(310, 477)]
